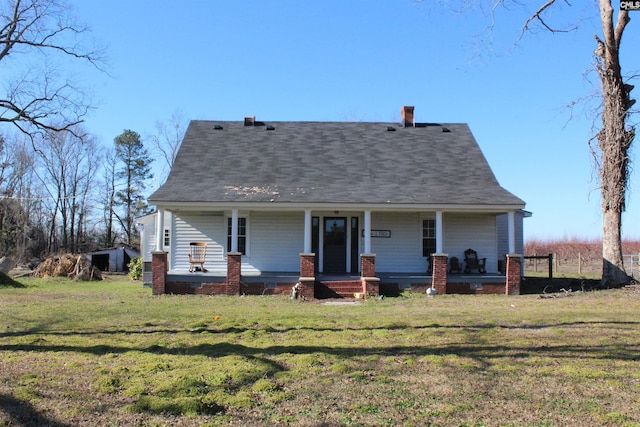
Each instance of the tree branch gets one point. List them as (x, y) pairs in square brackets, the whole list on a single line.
[(537, 16)]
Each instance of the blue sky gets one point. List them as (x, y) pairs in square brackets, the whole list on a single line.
[(362, 60)]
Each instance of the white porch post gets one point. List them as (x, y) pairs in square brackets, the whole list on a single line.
[(307, 231), (234, 230), (511, 227), (367, 232), (439, 239), (160, 231)]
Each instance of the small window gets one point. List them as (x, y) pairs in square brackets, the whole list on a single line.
[(242, 235), (167, 238), (428, 237)]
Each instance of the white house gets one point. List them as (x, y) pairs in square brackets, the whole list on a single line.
[(336, 207)]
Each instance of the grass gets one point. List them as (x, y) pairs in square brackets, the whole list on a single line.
[(109, 353)]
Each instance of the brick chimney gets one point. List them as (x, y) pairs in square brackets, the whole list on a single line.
[(407, 117), (250, 121)]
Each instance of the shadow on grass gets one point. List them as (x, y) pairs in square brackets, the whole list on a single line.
[(22, 413), (480, 350), (270, 329), (8, 282), (541, 285)]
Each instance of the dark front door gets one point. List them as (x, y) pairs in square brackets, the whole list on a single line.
[(335, 245)]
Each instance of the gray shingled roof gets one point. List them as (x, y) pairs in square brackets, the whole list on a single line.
[(327, 162)]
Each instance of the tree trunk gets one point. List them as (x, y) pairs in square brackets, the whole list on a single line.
[(614, 141), (612, 263)]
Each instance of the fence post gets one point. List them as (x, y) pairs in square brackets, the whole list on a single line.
[(551, 257), (579, 263)]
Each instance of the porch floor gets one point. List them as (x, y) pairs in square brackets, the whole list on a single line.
[(292, 277)]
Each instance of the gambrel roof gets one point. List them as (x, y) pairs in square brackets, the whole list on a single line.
[(332, 162)]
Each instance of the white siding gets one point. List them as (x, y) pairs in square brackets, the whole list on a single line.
[(402, 252), (503, 234), (477, 232), (276, 240), (199, 228), (148, 241)]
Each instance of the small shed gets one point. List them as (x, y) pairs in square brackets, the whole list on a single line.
[(114, 260)]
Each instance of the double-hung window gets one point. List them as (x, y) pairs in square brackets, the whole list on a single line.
[(242, 235), (428, 237)]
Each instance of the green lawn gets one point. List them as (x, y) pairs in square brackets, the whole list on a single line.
[(109, 353)]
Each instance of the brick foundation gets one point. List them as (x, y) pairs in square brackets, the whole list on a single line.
[(439, 280), (307, 288), (513, 274), (158, 272)]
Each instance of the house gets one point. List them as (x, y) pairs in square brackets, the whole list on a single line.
[(115, 260), (335, 207)]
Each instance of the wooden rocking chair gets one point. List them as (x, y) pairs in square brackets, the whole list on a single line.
[(472, 262), (455, 265), (197, 254)]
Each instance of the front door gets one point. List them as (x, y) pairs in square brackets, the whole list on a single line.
[(335, 245)]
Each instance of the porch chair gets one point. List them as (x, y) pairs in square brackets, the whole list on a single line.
[(455, 265), (472, 262), (197, 254)]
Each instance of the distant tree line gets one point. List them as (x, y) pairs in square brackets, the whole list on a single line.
[(60, 191), (69, 194)]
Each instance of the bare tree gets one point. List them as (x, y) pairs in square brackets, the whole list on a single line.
[(108, 197), (68, 168), (37, 39), (167, 139), (614, 140), (616, 133)]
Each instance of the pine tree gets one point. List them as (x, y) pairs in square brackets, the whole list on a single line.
[(132, 175)]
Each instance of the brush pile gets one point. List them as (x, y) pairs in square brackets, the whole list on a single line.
[(75, 267)]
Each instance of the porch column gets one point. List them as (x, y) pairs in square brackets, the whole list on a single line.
[(307, 231), (439, 239), (370, 283), (307, 279), (234, 230), (158, 272), (439, 278), (514, 274), (367, 232), (234, 273), (160, 230), (511, 227)]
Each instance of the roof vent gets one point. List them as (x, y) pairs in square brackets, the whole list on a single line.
[(444, 129), (249, 121), (270, 128), (391, 129), (218, 127)]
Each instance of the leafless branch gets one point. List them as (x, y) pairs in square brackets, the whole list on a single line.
[(538, 16), (41, 100)]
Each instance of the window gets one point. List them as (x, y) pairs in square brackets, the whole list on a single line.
[(242, 235), (167, 239), (428, 237)]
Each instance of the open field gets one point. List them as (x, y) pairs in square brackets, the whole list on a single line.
[(109, 353)]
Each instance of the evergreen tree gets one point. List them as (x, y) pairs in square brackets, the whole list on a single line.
[(134, 171)]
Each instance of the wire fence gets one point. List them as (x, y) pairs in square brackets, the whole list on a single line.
[(552, 264)]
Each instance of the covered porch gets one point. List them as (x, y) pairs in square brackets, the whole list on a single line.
[(314, 285)]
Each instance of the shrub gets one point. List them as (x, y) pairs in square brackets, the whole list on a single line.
[(135, 268)]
